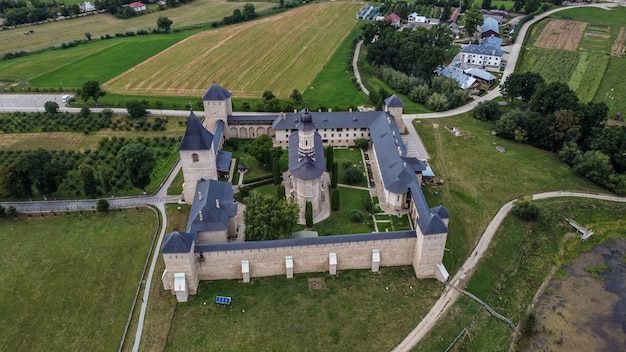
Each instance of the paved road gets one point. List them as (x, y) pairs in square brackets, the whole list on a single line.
[(449, 296)]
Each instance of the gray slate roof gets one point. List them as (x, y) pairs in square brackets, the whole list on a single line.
[(322, 120), (306, 168), (217, 134), (464, 81), (294, 242), (306, 121), (196, 136), (216, 92), (441, 211), (178, 242), (252, 118), (481, 74), (482, 50), (213, 218), (394, 102), (492, 41), (222, 160)]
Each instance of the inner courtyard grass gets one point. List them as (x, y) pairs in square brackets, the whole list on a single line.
[(68, 281), (353, 156), (358, 311)]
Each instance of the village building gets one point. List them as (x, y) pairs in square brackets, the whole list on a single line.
[(489, 28), (205, 250), (464, 80), (137, 6), (486, 55)]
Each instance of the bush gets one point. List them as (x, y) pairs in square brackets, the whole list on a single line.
[(103, 205), (334, 199), (525, 208), (308, 214), (356, 216), (352, 175), (486, 111), (12, 211)]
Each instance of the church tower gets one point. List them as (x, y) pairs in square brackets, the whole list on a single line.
[(307, 164), (197, 156), (217, 107), (395, 107)]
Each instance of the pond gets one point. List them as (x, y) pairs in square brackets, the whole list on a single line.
[(587, 310)]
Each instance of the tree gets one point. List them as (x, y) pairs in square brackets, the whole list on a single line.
[(551, 97), (334, 199), (280, 192), (248, 12), (334, 175), (352, 175), (136, 108), (103, 205), (12, 211), (356, 215), (269, 218), (473, 19), (87, 176), (261, 148), (296, 96), (51, 107), (486, 111), (276, 174), (329, 158), (595, 166), (3, 211), (41, 170), (521, 85), (362, 143), (437, 102), (525, 208), (84, 112), (91, 89), (486, 4), (308, 214), (564, 120), (268, 95), (164, 24), (138, 162), (88, 36)]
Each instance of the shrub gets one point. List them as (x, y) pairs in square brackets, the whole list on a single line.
[(352, 175), (356, 216), (103, 205), (308, 214), (12, 211), (334, 199), (525, 208)]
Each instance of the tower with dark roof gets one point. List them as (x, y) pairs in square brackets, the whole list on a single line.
[(307, 165), (217, 107), (178, 252), (395, 107), (197, 156)]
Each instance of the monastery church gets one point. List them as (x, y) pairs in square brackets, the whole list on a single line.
[(207, 250)]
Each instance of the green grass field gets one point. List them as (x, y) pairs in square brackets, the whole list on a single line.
[(353, 156), (520, 256), (358, 311), (248, 58), (478, 179), (589, 71), (340, 221), (68, 281)]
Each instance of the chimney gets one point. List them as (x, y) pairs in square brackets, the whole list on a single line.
[(404, 164), (200, 215), (217, 203), (330, 110), (350, 110), (295, 111), (199, 195)]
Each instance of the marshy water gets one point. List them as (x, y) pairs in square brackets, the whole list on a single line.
[(587, 310)]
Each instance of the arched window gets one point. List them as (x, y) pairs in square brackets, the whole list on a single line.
[(194, 157)]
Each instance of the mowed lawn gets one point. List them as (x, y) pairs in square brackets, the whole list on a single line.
[(68, 281), (58, 32), (357, 311), (279, 53), (478, 180)]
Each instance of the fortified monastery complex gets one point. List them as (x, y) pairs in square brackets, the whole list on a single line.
[(204, 252)]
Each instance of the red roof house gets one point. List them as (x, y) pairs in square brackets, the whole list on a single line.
[(395, 19), (137, 6)]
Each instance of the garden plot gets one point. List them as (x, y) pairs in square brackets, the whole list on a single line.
[(618, 46), (559, 34)]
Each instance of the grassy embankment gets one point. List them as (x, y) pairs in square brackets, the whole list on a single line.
[(591, 71), (68, 281)]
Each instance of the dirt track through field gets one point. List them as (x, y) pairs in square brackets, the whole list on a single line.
[(559, 34), (618, 46)]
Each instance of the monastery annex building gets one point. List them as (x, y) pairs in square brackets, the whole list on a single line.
[(204, 252)]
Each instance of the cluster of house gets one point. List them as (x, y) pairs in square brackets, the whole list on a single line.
[(475, 60), (204, 251), (89, 7)]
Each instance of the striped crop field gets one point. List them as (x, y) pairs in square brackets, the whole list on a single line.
[(278, 53)]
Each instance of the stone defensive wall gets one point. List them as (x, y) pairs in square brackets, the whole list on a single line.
[(268, 258)]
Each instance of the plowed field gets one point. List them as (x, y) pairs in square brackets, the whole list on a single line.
[(559, 34), (278, 53)]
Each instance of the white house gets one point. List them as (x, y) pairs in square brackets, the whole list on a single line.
[(137, 6), (414, 17)]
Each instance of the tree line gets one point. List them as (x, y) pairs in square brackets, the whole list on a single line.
[(552, 118)]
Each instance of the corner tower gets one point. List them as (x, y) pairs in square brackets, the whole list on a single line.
[(197, 156), (395, 107), (217, 106)]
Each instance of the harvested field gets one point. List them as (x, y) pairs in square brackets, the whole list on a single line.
[(559, 34), (618, 46), (597, 35), (278, 53)]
